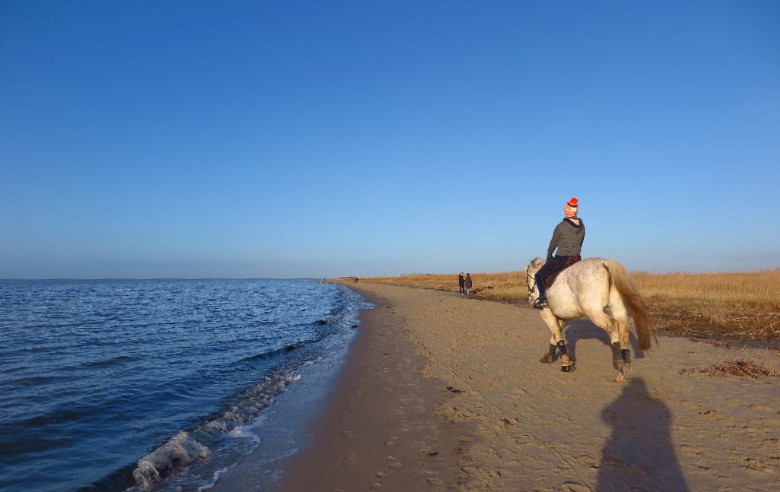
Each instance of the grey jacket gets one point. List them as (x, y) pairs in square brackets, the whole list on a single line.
[(567, 237)]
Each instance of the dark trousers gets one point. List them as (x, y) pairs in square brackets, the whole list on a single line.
[(551, 266)]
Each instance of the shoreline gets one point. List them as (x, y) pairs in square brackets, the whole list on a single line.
[(440, 392), (378, 429)]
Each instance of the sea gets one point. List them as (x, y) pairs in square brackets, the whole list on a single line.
[(160, 385)]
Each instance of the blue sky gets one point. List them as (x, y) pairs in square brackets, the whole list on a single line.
[(325, 138)]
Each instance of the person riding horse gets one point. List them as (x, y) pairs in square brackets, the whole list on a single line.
[(567, 239)]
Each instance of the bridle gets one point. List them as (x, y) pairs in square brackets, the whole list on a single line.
[(531, 286)]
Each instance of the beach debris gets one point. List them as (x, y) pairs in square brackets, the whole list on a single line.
[(738, 368)]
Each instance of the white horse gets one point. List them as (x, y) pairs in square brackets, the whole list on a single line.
[(601, 290)]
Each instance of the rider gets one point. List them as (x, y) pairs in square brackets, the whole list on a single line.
[(567, 238)]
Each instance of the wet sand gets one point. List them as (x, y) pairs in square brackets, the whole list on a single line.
[(441, 392)]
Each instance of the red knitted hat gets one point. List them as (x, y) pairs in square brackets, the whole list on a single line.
[(570, 209)]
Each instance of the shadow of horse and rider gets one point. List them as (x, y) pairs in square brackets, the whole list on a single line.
[(639, 454)]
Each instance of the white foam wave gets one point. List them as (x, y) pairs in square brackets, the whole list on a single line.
[(245, 432), (214, 479), (180, 449)]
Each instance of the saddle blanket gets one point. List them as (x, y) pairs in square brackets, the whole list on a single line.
[(550, 279)]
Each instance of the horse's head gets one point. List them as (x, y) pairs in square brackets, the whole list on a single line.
[(530, 279)]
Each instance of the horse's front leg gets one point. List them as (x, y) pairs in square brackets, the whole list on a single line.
[(557, 343), (555, 335), (567, 365), (550, 355)]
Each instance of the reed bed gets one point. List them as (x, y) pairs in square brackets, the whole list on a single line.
[(723, 306)]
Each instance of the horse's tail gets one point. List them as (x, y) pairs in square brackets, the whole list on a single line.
[(636, 309)]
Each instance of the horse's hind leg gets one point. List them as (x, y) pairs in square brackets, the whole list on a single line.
[(617, 329), (620, 357), (621, 351)]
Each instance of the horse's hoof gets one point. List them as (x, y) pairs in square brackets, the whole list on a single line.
[(568, 368), (550, 356), (621, 378)]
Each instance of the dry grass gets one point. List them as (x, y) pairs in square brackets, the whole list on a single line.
[(719, 305), (739, 306)]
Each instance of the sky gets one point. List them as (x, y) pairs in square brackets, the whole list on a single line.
[(296, 138)]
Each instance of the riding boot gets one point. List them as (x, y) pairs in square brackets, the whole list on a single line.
[(541, 301)]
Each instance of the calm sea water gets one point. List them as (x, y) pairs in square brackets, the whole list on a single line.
[(153, 385)]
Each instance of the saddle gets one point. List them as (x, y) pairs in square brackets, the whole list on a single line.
[(550, 279)]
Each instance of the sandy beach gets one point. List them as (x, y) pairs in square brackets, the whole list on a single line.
[(441, 392)]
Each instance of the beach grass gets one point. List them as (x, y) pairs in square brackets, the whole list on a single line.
[(737, 306)]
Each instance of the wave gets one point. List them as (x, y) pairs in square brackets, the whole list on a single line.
[(322, 333), (181, 449), (188, 446), (107, 362), (272, 353), (216, 397)]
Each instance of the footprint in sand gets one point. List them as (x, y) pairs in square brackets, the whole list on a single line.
[(575, 487), (350, 459), (392, 462)]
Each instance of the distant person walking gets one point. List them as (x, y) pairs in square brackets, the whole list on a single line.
[(567, 239), (462, 283), (467, 284)]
